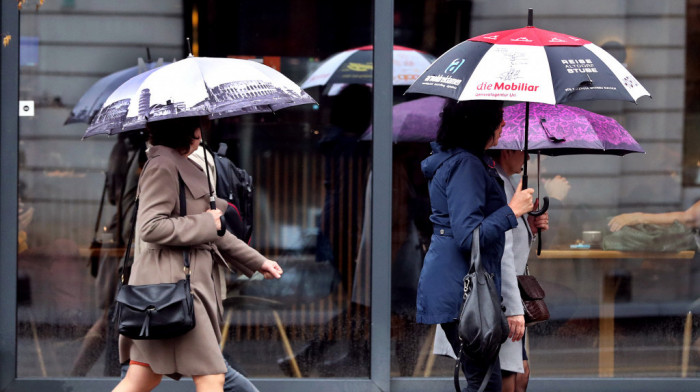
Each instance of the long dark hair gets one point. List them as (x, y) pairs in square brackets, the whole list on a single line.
[(176, 133), (469, 124)]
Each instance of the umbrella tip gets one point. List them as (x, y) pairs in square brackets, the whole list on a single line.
[(529, 17), (189, 47)]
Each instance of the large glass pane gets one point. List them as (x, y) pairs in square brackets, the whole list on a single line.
[(624, 304), (309, 168)]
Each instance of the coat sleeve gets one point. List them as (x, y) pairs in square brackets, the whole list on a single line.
[(239, 255), (509, 282), (466, 200), (158, 197)]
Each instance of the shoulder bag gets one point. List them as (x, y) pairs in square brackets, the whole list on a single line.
[(532, 295), (482, 322), (155, 311)]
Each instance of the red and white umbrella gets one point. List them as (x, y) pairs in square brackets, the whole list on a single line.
[(528, 65), (355, 66)]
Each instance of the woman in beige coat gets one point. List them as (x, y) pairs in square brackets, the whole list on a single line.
[(161, 234)]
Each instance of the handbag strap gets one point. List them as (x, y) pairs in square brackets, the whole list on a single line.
[(475, 266), (126, 264), (99, 211), (476, 252), (487, 376)]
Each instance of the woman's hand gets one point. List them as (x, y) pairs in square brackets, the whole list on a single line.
[(216, 215), (538, 222), (271, 270), (517, 327), (557, 187), (521, 203), (623, 220)]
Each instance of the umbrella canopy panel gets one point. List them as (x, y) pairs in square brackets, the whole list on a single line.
[(91, 101), (196, 86), (414, 121), (355, 66), (528, 65), (564, 130)]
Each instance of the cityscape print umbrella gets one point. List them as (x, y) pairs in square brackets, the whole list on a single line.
[(91, 101), (196, 86), (354, 66)]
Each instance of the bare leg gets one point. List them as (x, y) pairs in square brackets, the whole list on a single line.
[(508, 381), (209, 383), (138, 379), (522, 379)]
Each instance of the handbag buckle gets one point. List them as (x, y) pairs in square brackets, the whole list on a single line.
[(186, 270)]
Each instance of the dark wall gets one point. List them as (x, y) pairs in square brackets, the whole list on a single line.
[(319, 28)]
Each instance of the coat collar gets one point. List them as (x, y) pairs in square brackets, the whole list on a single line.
[(192, 174)]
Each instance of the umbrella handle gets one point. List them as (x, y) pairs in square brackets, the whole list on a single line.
[(222, 231), (545, 207)]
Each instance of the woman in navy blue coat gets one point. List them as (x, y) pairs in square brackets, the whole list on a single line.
[(465, 192)]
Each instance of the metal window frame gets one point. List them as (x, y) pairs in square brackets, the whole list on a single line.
[(380, 367)]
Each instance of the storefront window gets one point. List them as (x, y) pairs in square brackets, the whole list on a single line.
[(623, 303), (619, 301), (309, 172)]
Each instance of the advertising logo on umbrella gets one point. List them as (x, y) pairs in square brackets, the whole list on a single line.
[(454, 66)]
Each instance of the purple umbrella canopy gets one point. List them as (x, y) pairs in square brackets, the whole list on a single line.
[(554, 129), (415, 121), (564, 130)]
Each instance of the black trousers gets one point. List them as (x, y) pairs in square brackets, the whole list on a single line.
[(474, 371)]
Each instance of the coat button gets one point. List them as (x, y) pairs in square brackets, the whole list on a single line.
[(442, 231)]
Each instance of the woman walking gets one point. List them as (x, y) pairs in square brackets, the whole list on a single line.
[(465, 193), (161, 236)]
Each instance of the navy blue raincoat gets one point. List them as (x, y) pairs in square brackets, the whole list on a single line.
[(465, 192)]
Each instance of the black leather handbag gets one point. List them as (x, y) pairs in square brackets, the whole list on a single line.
[(483, 326), (155, 311)]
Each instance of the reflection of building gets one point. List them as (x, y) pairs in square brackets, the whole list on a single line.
[(144, 101), (252, 93), (110, 116)]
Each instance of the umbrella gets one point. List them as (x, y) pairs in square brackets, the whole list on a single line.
[(564, 130), (554, 129), (91, 101), (414, 121), (531, 65), (196, 86), (354, 66)]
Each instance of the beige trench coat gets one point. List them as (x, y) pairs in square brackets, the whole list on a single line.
[(160, 230)]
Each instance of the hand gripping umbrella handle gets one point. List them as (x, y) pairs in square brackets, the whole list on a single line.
[(212, 205), (545, 207)]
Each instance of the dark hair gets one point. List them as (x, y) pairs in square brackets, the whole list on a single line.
[(176, 133), (469, 124)]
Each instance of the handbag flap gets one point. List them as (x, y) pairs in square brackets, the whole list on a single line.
[(158, 296), (529, 287)]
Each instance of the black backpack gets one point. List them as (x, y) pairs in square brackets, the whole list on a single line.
[(234, 185)]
